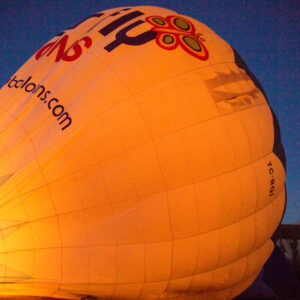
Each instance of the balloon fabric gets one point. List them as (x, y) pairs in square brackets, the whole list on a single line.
[(139, 159)]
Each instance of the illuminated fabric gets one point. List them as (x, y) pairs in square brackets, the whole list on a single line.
[(139, 159)]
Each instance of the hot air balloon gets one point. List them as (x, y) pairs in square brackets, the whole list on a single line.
[(139, 160)]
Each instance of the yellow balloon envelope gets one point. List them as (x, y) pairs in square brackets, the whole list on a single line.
[(139, 160)]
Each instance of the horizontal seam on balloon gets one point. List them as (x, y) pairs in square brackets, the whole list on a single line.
[(119, 201), (138, 196), (210, 270), (188, 291), (143, 243)]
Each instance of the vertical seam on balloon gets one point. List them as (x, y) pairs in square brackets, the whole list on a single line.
[(252, 160), (245, 271), (21, 200), (239, 187), (60, 234), (198, 234), (221, 199), (115, 246), (254, 214), (138, 196), (144, 249), (238, 179), (31, 230), (47, 186), (116, 285), (169, 217), (235, 164), (57, 219), (197, 209), (241, 213), (167, 196), (82, 205)]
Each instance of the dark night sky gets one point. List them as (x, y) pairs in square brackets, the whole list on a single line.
[(265, 33)]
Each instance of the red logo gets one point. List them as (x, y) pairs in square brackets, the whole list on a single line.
[(63, 53), (173, 31)]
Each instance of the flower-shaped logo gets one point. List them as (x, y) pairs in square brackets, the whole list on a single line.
[(173, 31)]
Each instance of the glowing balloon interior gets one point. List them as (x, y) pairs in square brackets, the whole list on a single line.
[(139, 160)]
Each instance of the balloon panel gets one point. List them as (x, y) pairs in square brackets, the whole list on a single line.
[(138, 160)]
